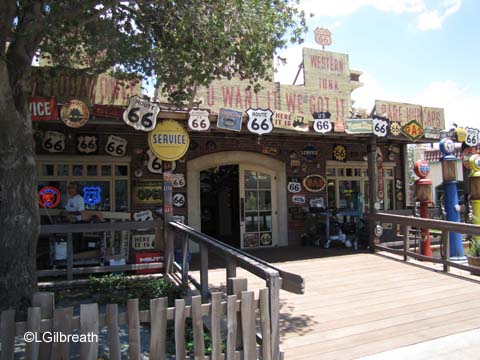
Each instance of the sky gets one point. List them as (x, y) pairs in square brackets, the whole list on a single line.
[(423, 52)]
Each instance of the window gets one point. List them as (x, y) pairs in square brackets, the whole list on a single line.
[(110, 179)]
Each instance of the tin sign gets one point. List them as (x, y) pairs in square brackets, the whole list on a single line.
[(141, 114), (74, 114), (314, 183), (380, 127), (309, 152), (87, 144), (178, 180), (229, 119), (321, 122), (178, 200), (413, 130), (260, 121), (358, 126), (431, 133), (169, 141), (53, 141), (323, 36), (116, 146), (472, 136), (198, 120), (298, 199), (294, 187), (42, 109), (143, 241)]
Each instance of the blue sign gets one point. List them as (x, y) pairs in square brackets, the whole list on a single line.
[(230, 120), (91, 195), (310, 152)]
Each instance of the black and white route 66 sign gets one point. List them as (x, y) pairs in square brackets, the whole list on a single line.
[(141, 114), (145, 215), (154, 164), (198, 120), (53, 141), (87, 144), (116, 146), (260, 121), (472, 136), (178, 180), (322, 125), (380, 127), (178, 200)]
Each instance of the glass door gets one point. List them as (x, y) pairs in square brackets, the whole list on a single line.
[(258, 207)]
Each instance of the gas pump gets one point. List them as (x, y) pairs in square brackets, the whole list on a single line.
[(423, 194), (452, 208)]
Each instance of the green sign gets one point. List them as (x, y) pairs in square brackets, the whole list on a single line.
[(358, 126)]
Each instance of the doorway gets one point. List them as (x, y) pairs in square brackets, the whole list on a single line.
[(219, 201)]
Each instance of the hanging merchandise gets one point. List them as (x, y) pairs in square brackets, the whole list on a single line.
[(87, 144), (260, 121), (116, 146), (471, 138), (74, 114), (92, 195), (141, 114), (380, 126), (49, 197), (321, 122), (53, 141), (229, 119), (198, 120), (154, 164)]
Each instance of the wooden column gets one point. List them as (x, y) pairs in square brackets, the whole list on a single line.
[(372, 183)]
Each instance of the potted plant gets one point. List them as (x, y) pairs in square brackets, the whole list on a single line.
[(473, 254)]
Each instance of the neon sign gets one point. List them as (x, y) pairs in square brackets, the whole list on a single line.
[(49, 197), (91, 195)]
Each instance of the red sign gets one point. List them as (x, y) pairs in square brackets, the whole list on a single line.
[(43, 109), (147, 258), (108, 111), (49, 197), (421, 168)]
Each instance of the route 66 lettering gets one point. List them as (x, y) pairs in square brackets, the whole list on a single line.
[(178, 200), (322, 126), (116, 146), (198, 120), (87, 144), (178, 180), (154, 164), (141, 114), (260, 121), (380, 127), (472, 136), (145, 215), (53, 141)]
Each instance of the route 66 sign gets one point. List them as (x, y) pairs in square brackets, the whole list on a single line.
[(178, 200), (260, 121), (116, 146), (178, 180), (198, 120), (53, 141), (141, 114), (145, 215), (321, 124), (380, 127), (87, 144), (154, 164), (472, 136), (294, 187)]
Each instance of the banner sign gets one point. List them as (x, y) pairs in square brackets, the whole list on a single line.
[(141, 114), (358, 126), (260, 121), (42, 109), (230, 120), (288, 121)]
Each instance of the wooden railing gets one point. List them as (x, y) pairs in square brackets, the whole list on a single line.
[(408, 222), (275, 278), (229, 339)]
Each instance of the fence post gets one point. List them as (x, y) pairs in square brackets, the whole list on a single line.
[(69, 257), (237, 285), (204, 271), (446, 249), (274, 284), (406, 241), (46, 302), (231, 265)]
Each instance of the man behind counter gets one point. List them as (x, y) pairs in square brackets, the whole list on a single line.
[(75, 204)]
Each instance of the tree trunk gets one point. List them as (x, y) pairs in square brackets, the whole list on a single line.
[(19, 218)]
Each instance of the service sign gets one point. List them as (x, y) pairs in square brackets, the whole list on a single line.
[(116, 146), (141, 114), (148, 192), (42, 109), (472, 136), (260, 121), (198, 120), (314, 183), (53, 141), (380, 127), (87, 144), (178, 180), (289, 121), (413, 130), (74, 114), (229, 119), (168, 141), (143, 241), (309, 152), (358, 126)]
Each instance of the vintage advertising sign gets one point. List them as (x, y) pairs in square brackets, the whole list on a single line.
[(309, 152), (284, 120), (116, 146), (74, 114), (314, 183), (339, 152), (148, 192), (168, 141), (43, 109), (155, 165), (323, 36), (87, 144), (298, 199), (49, 197), (471, 139), (413, 130), (230, 120), (92, 195), (141, 114), (145, 215), (358, 126), (143, 241), (431, 133), (260, 121), (108, 111), (53, 141), (168, 194), (403, 113), (294, 187), (198, 120)]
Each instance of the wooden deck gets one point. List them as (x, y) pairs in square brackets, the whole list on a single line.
[(361, 304)]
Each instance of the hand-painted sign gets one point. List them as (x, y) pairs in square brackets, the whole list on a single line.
[(116, 146), (198, 120), (472, 136), (260, 121), (229, 119), (168, 141), (314, 183), (284, 120), (92, 195), (49, 197), (358, 126), (141, 114), (143, 241), (339, 152), (148, 192), (53, 141), (413, 130), (42, 109), (425, 116), (178, 200), (74, 114), (178, 180), (309, 152), (380, 127), (87, 144), (294, 187), (155, 165)]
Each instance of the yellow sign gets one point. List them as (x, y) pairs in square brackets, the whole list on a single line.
[(413, 130), (168, 141), (74, 114)]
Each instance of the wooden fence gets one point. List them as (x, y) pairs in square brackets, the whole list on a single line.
[(406, 223), (232, 323)]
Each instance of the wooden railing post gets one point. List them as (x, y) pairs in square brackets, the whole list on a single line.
[(446, 249), (69, 256), (204, 272), (237, 285), (274, 284), (169, 248), (231, 266), (185, 264), (406, 241)]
